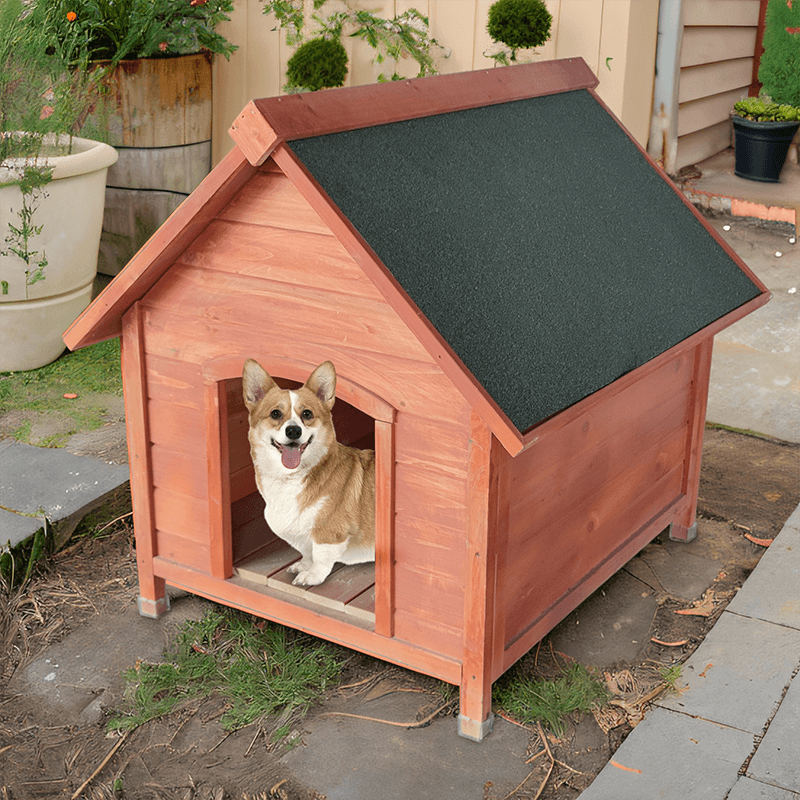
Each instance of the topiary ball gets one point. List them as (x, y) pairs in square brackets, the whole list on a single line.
[(519, 23), (317, 64)]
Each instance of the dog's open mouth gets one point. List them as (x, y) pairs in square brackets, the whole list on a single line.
[(291, 453)]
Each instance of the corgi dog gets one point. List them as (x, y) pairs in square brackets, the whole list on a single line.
[(319, 494)]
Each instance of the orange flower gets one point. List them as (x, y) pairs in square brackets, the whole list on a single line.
[(72, 16), (163, 47)]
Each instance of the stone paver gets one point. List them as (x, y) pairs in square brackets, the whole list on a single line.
[(777, 760), (673, 756), (738, 674)]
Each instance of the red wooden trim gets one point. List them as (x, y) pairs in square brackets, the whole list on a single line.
[(398, 299), (134, 376), (317, 113), (384, 528), (325, 625), (254, 135), (481, 577), (694, 444), (102, 319), (219, 490), (755, 84), (227, 367)]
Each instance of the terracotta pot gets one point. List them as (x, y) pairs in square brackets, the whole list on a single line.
[(33, 317)]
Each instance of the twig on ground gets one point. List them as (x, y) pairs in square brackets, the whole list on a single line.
[(102, 764)]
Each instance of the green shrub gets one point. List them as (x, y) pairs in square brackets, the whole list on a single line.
[(779, 72), (317, 64), (519, 23), (754, 108)]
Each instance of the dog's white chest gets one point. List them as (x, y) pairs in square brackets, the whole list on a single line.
[(283, 513)]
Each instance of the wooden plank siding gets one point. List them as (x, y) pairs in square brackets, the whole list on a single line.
[(716, 65), (267, 264), (575, 491)]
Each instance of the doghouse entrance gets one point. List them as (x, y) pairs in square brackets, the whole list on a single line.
[(252, 555)]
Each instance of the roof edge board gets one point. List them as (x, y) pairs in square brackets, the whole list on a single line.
[(253, 133), (102, 320), (439, 350), (300, 116)]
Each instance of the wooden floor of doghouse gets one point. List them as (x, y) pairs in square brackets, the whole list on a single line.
[(349, 589)]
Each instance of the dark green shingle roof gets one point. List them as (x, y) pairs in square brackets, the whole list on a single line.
[(536, 238)]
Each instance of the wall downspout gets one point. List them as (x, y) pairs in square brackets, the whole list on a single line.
[(662, 144)]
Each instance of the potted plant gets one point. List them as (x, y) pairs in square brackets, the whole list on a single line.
[(517, 25), (155, 58), (765, 126), (52, 189)]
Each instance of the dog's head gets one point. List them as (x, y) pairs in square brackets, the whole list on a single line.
[(290, 428)]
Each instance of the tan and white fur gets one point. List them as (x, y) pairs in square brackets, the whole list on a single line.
[(319, 494)]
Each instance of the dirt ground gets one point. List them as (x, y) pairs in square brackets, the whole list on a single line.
[(749, 487)]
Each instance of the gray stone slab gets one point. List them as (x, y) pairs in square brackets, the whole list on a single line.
[(37, 480), (748, 789), (675, 756), (772, 592), (15, 528), (353, 759), (777, 760), (677, 571), (737, 675)]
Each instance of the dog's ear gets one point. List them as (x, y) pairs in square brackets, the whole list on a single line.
[(322, 381), (256, 382)]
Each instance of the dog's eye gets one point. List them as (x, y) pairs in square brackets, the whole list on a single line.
[(307, 414), (276, 413)]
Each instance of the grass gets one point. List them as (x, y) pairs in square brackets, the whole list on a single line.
[(262, 670), (92, 370), (551, 701)]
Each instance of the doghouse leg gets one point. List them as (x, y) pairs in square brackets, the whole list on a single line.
[(472, 728), (153, 600), (680, 533)]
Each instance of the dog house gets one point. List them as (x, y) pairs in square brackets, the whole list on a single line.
[(520, 307)]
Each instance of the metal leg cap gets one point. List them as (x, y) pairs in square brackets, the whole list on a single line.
[(474, 730), (152, 608), (680, 534)]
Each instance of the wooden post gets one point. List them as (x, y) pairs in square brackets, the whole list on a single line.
[(684, 528), (475, 719), (384, 528), (219, 482), (152, 600)]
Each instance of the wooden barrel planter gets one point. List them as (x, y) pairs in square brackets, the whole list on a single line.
[(160, 123)]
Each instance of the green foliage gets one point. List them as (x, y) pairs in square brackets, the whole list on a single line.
[(550, 701), (119, 29), (759, 110), (779, 71), (262, 670), (317, 64), (403, 36), (519, 24), (19, 238)]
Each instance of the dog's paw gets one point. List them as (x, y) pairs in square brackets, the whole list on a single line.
[(298, 566), (308, 578)]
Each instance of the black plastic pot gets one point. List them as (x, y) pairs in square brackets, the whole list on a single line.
[(761, 147)]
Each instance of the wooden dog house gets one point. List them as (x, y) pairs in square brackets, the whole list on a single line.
[(520, 307)]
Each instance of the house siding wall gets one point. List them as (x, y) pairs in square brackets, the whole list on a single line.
[(716, 64), (617, 38), (268, 277)]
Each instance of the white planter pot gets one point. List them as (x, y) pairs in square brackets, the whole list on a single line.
[(33, 318)]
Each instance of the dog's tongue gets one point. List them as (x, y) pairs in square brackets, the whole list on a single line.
[(290, 457)]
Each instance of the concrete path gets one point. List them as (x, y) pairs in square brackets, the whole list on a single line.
[(732, 730)]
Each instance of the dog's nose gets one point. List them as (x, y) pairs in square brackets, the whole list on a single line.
[(294, 432)]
